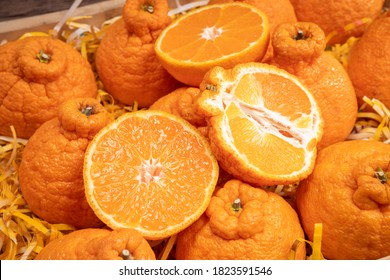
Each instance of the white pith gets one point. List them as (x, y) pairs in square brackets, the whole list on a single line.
[(211, 33), (151, 170)]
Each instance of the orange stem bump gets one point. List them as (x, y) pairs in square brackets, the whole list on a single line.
[(126, 255), (381, 175), (43, 57), (211, 87), (148, 7), (236, 205), (300, 35), (87, 110)]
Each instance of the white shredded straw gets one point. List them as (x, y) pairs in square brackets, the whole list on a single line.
[(61, 23), (183, 8), (11, 139)]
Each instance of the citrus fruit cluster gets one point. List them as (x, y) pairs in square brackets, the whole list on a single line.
[(235, 101)]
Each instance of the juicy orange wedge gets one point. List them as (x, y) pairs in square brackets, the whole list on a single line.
[(221, 34), (264, 124), (151, 171)]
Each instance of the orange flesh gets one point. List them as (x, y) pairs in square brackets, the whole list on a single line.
[(211, 24), (141, 170), (256, 120)]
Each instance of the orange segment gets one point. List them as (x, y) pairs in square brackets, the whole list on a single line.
[(264, 124), (151, 171), (221, 34), (252, 140)]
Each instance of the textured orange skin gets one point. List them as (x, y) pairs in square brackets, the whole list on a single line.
[(31, 91), (51, 170), (97, 244), (181, 102), (353, 206), (126, 61), (369, 62), (265, 228), (278, 12), (335, 15), (325, 77)]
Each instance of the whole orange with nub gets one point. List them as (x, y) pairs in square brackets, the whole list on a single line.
[(125, 60), (264, 124), (37, 74), (221, 34), (98, 244), (242, 222), (299, 48), (149, 170), (349, 193), (369, 62), (51, 170)]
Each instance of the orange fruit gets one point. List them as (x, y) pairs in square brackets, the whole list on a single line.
[(37, 74), (299, 48), (149, 170), (98, 244), (51, 169), (263, 123), (242, 222), (212, 35), (339, 19), (369, 62), (181, 102), (349, 193), (125, 60), (277, 11)]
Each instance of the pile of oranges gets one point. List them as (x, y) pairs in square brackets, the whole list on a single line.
[(226, 132)]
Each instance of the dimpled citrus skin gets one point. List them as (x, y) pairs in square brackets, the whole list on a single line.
[(97, 244), (181, 102), (265, 227), (335, 15), (325, 77), (51, 170), (353, 205), (31, 91), (369, 62), (126, 61)]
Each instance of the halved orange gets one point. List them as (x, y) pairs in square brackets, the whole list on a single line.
[(264, 124), (151, 171), (222, 34)]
